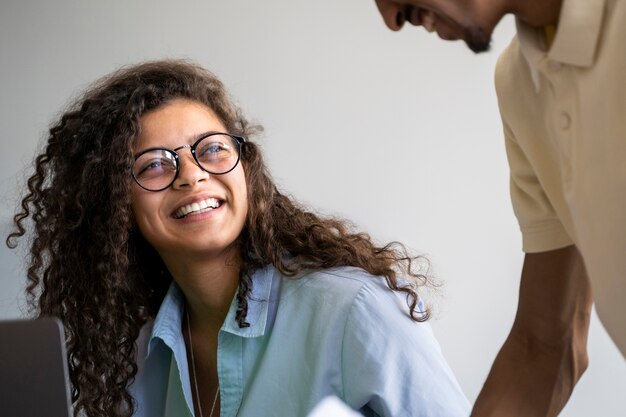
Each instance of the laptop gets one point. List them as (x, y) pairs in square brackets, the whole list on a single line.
[(34, 378)]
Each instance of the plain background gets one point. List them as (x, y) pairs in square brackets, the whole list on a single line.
[(398, 132)]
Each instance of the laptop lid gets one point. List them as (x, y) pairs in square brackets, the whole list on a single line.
[(34, 378)]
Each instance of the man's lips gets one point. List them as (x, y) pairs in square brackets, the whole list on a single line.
[(432, 21), (418, 16)]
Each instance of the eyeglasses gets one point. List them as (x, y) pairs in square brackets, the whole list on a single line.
[(155, 169)]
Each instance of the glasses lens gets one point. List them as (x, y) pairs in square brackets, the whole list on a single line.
[(155, 169), (218, 154)]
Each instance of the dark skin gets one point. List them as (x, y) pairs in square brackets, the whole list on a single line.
[(470, 20), (545, 353)]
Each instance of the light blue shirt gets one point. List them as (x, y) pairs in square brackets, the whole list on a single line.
[(335, 332)]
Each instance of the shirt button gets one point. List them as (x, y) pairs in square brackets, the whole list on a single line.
[(554, 65), (565, 120)]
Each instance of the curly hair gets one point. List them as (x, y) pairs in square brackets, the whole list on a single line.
[(90, 266)]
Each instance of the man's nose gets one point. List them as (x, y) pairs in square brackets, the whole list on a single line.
[(392, 13)]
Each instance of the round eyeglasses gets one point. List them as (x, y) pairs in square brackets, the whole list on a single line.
[(155, 169)]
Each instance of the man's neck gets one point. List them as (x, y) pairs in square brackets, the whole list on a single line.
[(537, 13)]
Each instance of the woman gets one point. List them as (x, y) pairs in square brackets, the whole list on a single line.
[(188, 284)]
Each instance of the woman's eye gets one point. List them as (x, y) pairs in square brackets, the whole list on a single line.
[(214, 150), (156, 167), (152, 165)]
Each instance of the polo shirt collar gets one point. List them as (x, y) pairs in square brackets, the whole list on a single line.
[(167, 324), (576, 39)]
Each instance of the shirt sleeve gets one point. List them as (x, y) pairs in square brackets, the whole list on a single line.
[(541, 228), (392, 365)]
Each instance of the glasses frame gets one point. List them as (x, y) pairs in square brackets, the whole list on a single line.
[(239, 140)]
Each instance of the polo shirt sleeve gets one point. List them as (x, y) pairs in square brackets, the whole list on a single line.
[(392, 365), (541, 228)]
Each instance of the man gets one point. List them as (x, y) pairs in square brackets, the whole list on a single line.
[(561, 88)]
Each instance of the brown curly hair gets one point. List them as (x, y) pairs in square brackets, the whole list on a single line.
[(91, 267)]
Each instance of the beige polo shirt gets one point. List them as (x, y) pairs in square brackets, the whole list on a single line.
[(564, 117)]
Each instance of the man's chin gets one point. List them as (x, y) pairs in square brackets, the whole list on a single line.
[(477, 40)]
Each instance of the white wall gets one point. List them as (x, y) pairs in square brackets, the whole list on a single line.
[(397, 131)]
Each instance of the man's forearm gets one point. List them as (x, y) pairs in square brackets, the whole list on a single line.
[(545, 353), (530, 379)]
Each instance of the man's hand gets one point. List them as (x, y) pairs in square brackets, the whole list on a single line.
[(546, 352)]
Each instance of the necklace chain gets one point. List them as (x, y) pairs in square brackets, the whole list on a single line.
[(193, 368)]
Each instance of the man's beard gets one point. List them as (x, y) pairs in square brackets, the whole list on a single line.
[(477, 39)]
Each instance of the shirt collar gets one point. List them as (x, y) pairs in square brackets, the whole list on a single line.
[(258, 305), (576, 38), (167, 324)]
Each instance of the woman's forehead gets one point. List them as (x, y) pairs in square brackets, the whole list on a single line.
[(176, 123)]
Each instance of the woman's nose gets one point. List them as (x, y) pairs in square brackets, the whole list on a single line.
[(189, 172), (392, 13)]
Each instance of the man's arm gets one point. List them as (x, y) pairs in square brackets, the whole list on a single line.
[(546, 352)]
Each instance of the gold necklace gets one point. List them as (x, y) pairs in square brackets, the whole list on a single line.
[(193, 368)]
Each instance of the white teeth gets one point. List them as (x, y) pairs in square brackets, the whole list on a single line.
[(428, 21), (197, 207)]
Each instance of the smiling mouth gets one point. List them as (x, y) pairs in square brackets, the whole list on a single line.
[(196, 208), (418, 16), (428, 21)]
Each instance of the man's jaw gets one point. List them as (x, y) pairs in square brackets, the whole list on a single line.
[(477, 39)]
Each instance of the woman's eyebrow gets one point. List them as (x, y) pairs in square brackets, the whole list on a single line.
[(193, 139), (208, 132)]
